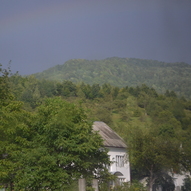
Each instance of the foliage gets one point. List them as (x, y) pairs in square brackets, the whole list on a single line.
[(156, 150), (49, 148), (165, 182), (13, 135), (134, 186), (14, 131), (5, 95), (158, 124), (62, 149), (169, 78), (186, 184)]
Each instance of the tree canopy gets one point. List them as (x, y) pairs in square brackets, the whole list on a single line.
[(48, 148), (45, 130), (121, 72), (62, 149)]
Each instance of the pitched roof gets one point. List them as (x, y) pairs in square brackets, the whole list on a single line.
[(110, 137)]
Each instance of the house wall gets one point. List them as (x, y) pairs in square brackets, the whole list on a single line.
[(179, 180), (115, 155)]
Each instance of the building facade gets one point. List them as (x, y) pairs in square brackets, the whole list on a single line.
[(120, 165)]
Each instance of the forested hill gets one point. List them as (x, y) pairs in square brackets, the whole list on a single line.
[(123, 72)]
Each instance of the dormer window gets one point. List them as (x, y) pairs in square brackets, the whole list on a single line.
[(120, 160)]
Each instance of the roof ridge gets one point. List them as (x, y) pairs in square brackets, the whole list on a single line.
[(109, 136)]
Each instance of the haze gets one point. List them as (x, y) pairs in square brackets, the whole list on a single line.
[(37, 34)]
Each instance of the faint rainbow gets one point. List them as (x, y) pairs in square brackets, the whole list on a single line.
[(20, 21)]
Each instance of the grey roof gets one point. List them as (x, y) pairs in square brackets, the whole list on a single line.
[(110, 137)]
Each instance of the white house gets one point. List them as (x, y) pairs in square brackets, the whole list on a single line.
[(179, 180), (117, 151), (118, 155)]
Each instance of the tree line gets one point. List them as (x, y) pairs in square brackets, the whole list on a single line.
[(49, 148), (46, 134), (123, 72)]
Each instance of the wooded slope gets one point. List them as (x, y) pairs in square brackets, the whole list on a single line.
[(123, 72)]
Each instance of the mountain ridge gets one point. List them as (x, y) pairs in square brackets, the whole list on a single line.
[(123, 72)]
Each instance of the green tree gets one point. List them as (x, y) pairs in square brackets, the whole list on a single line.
[(14, 135), (133, 186), (96, 91), (165, 182), (151, 153), (186, 149), (5, 94), (66, 89), (31, 93), (62, 149), (47, 88), (13, 131), (86, 91)]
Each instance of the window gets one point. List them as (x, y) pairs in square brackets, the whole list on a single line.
[(121, 180), (120, 160)]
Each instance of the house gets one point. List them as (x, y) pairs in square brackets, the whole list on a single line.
[(117, 151), (179, 180), (118, 155)]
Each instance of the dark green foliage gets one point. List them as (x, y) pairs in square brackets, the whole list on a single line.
[(66, 89), (165, 182), (134, 186), (172, 78), (5, 95), (186, 184), (63, 148), (14, 131), (49, 148), (152, 154), (159, 122)]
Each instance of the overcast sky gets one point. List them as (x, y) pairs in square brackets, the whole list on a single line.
[(39, 34)]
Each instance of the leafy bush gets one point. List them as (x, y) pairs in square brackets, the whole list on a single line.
[(134, 186), (187, 184)]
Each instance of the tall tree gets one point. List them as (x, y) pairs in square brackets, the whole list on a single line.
[(14, 135), (153, 152), (5, 94), (13, 131), (62, 149)]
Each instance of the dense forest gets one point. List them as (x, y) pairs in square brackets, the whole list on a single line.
[(41, 117), (123, 72)]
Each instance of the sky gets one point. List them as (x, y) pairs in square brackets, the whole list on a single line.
[(38, 34)]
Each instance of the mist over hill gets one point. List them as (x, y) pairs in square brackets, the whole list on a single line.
[(123, 72)]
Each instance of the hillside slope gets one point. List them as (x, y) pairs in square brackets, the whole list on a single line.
[(123, 72)]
